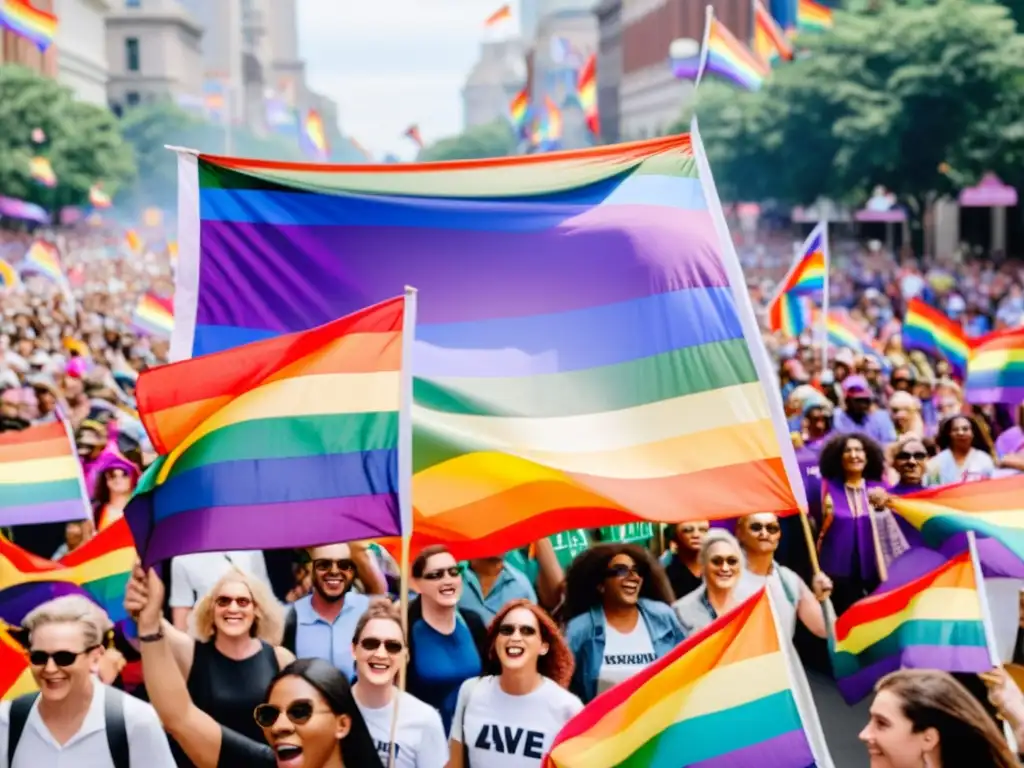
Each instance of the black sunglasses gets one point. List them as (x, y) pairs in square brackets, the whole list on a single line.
[(907, 456), (621, 571), (325, 565), (453, 571), (756, 527), (525, 630), (394, 647), (300, 712), (718, 561), (60, 658)]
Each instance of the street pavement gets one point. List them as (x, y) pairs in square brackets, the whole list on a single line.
[(840, 722)]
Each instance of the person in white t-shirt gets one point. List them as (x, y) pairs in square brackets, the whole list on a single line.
[(510, 717), (75, 719), (378, 645), (192, 576)]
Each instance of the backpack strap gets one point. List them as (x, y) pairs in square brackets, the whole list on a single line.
[(117, 731), (291, 622), (21, 707)]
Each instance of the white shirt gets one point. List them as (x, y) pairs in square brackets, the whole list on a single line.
[(192, 576), (625, 654), (419, 738), (147, 742), (505, 731), (786, 588)]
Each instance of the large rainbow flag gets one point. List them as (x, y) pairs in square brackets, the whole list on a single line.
[(40, 477), (995, 372), (806, 282), (934, 622), (15, 675), (929, 330), (724, 698), (286, 442), (586, 353)]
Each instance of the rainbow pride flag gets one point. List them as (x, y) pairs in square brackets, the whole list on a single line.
[(154, 315), (43, 259), (99, 569), (995, 371), (844, 332), (927, 329), (586, 88), (807, 280), (581, 359), (314, 136), (15, 674), (933, 622), (286, 442), (98, 198), (725, 56), (9, 277), (770, 42), (22, 18), (813, 17), (519, 110), (724, 698), (40, 477), (553, 121), (41, 171)]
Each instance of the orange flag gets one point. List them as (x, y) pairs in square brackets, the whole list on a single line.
[(500, 15)]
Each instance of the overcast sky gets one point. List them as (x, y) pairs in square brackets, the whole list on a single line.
[(389, 63)]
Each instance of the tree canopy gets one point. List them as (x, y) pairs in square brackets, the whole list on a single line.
[(906, 95), (495, 139)]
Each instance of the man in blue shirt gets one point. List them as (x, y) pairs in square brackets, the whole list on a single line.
[(858, 414), (489, 584)]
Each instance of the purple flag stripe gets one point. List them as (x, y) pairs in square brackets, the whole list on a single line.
[(50, 512)]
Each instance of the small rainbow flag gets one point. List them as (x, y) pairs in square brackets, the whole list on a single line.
[(413, 134), (43, 259), (23, 19), (770, 42), (728, 58), (41, 171), (586, 87), (844, 332), (553, 132), (500, 15), (133, 241), (813, 17), (807, 278), (314, 136), (98, 198), (9, 278), (933, 622), (280, 443), (40, 477), (154, 315), (995, 371), (519, 110), (929, 330), (15, 674), (724, 698)]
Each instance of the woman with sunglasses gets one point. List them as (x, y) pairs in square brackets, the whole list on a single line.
[(722, 564), (510, 716), (114, 486), (378, 647), (618, 616), (308, 718), (446, 643)]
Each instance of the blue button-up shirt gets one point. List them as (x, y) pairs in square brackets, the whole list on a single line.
[(316, 638), (511, 584), (877, 425)]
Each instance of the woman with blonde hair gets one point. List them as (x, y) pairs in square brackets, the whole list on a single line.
[(234, 652)]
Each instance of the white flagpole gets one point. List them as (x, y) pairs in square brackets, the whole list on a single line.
[(709, 16), (823, 324)]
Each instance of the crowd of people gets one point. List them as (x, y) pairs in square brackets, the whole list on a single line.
[(293, 659)]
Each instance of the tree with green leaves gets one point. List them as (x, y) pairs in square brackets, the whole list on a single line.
[(891, 96), (495, 139), (82, 141)]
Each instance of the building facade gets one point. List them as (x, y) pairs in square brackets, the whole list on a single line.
[(154, 48), (221, 45), (554, 77), (15, 49), (497, 76), (609, 67), (82, 49)]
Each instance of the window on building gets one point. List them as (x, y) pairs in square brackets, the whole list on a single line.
[(132, 98), (131, 54)]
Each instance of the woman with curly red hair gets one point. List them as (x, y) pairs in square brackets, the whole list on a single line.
[(518, 706)]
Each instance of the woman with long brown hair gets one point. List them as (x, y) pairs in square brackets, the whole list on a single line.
[(520, 703)]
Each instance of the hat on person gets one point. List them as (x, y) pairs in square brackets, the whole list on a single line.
[(856, 386), (91, 432), (817, 402)]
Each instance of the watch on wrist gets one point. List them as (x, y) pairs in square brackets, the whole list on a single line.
[(158, 635)]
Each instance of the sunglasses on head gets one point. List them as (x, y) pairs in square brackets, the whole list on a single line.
[(224, 601), (60, 658), (621, 571), (525, 630), (393, 647), (300, 712), (908, 455), (719, 560), (325, 565), (691, 529), (756, 527), (454, 571)]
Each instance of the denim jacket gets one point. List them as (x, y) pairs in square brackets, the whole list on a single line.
[(585, 635)]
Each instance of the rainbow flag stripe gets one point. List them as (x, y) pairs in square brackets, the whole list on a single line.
[(41, 171), (933, 622), (586, 88), (524, 425), (9, 277), (314, 136), (42, 258), (995, 372), (99, 569), (15, 674), (843, 332), (23, 19), (929, 330), (721, 699), (728, 58), (154, 315), (40, 477), (519, 110), (285, 442), (813, 17), (770, 42), (788, 312)]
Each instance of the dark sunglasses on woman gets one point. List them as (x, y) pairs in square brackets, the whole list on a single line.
[(371, 644), (757, 527), (300, 712), (60, 658), (621, 571), (453, 571), (525, 630), (224, 601)]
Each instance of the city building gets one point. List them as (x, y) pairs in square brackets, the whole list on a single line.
[(154, 49), (528, 15), (82, 48), (15, 49), (221, 46), (650, 97), (609, 67), (498, 75), (566, 35)]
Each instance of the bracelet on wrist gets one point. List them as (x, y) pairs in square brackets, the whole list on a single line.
[(151, 638)]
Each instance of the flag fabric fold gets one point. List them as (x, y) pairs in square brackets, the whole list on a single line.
[(929, 330), (995, 371)]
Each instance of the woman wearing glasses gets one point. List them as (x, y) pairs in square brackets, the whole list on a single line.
[(378, 647), (721, 563), (446, 644), (618, 616), (510, 716)]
